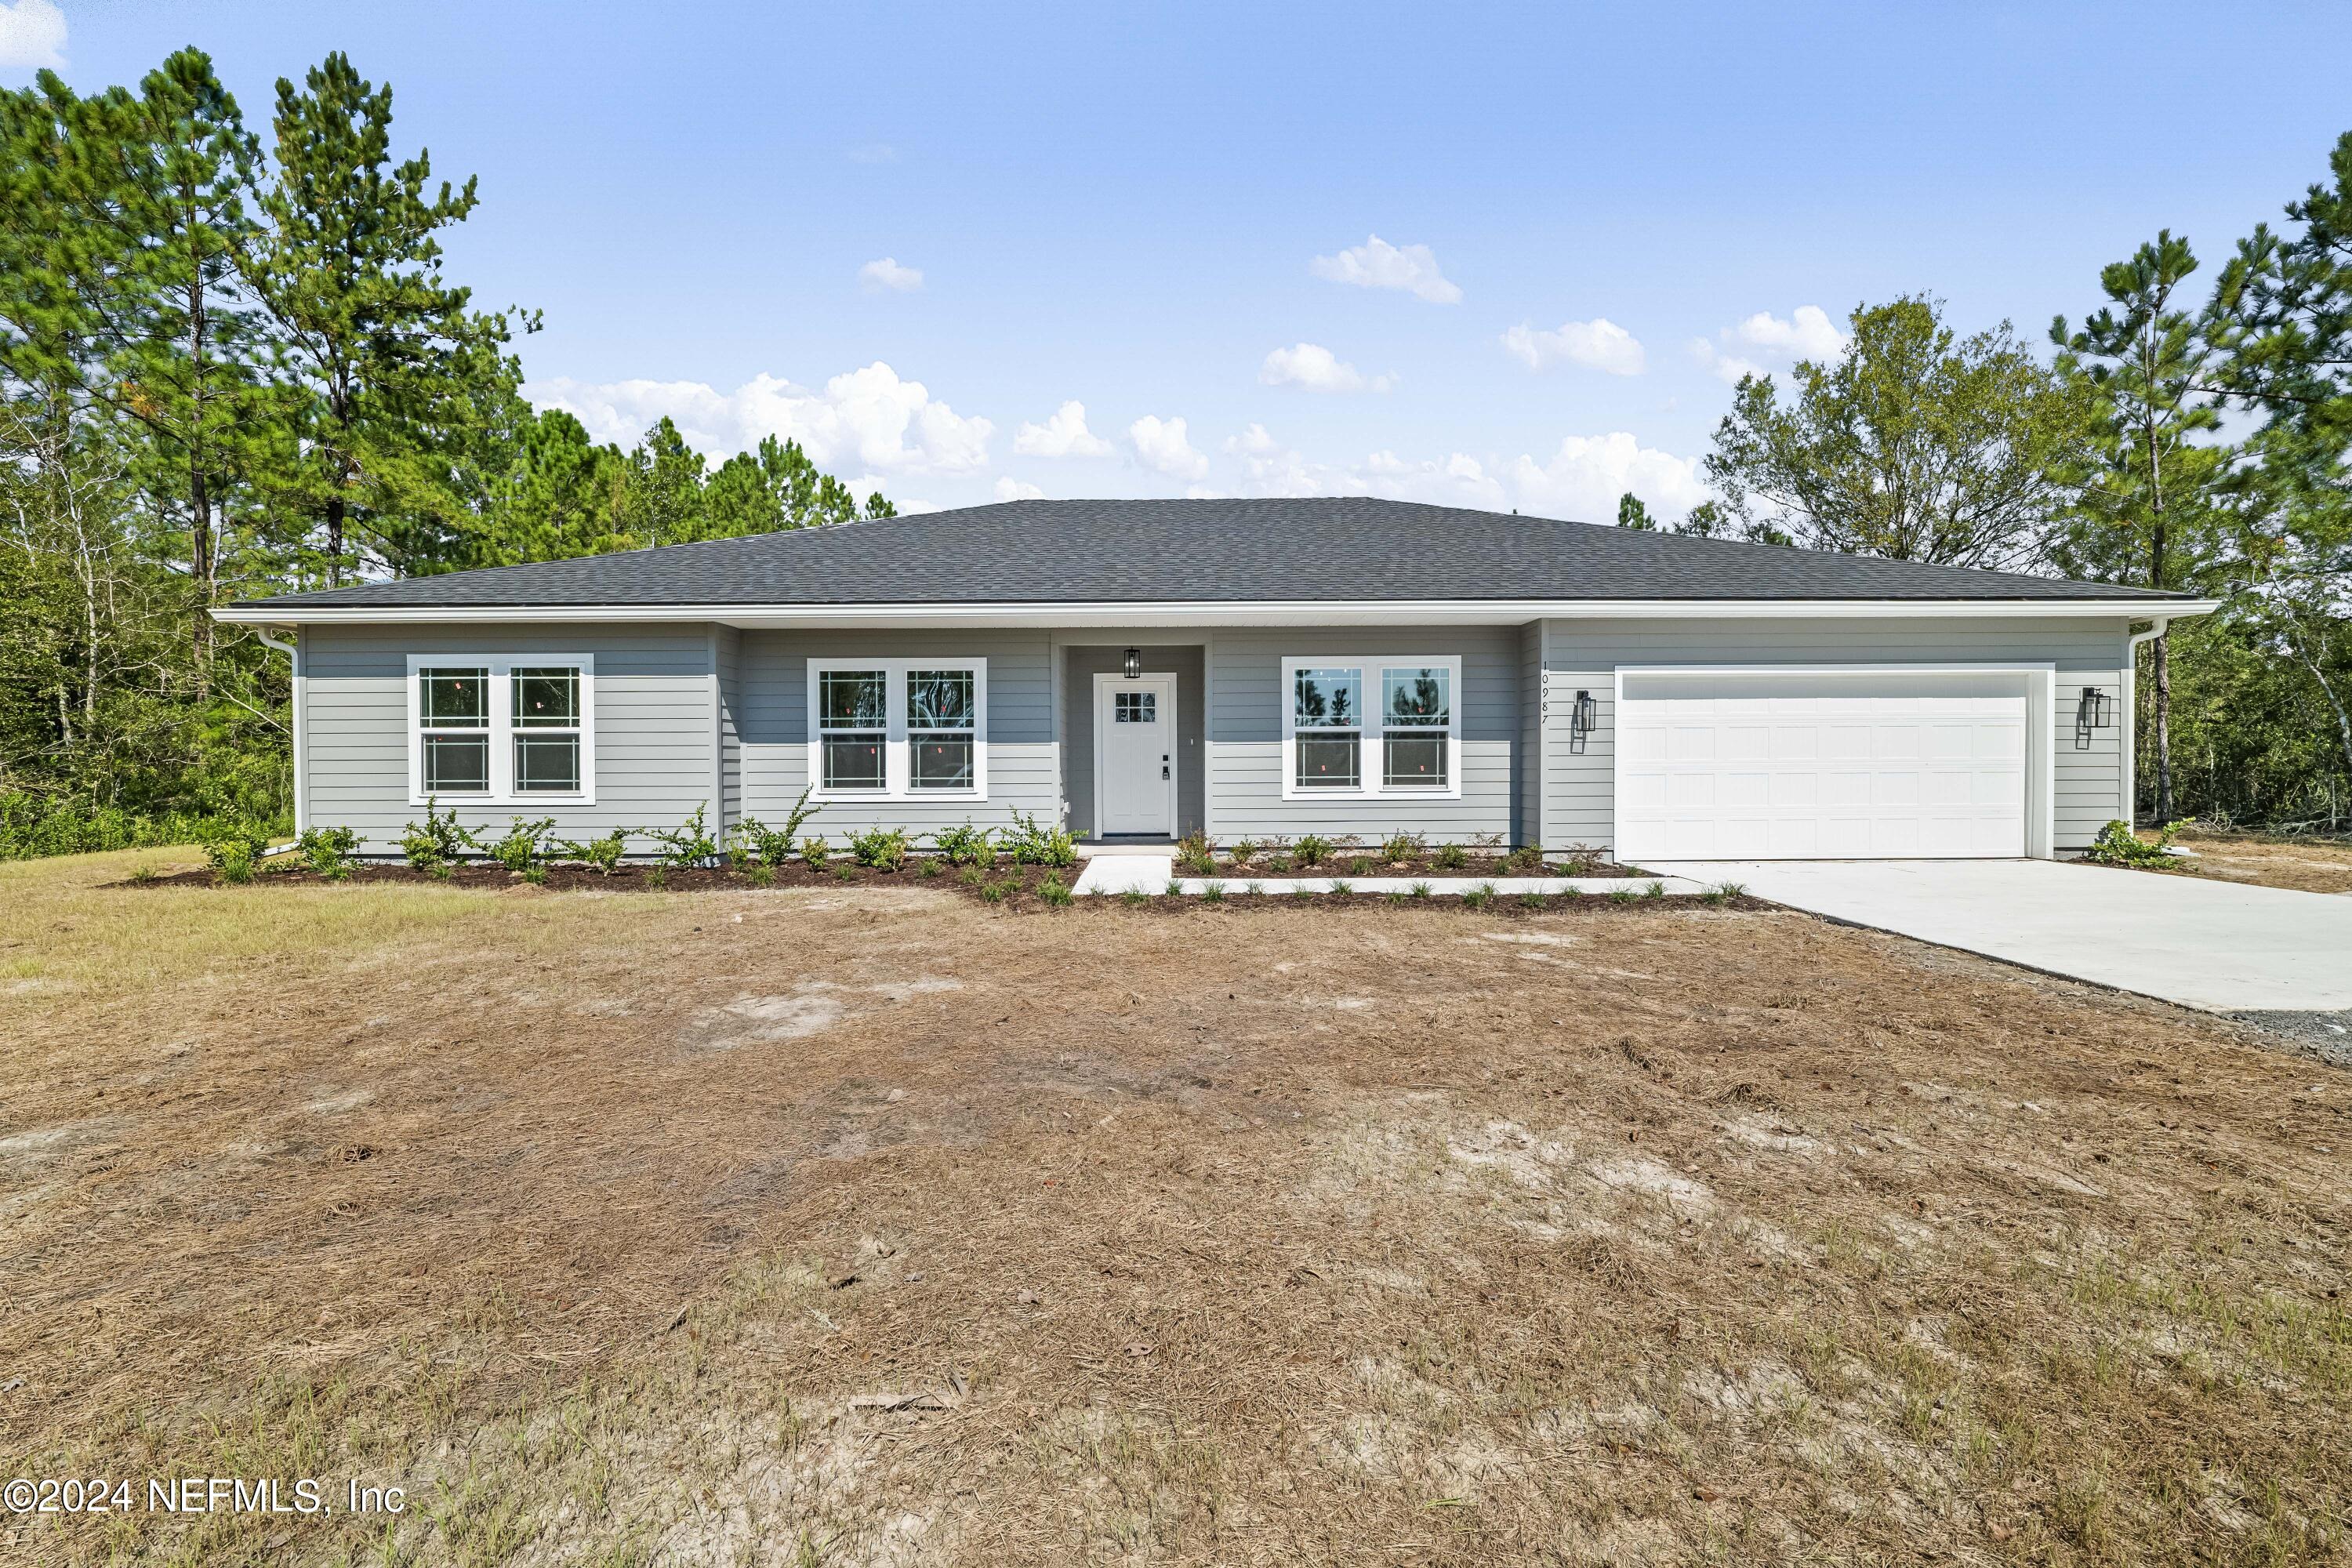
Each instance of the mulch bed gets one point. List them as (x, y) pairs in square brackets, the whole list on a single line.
[(1357, 863), (1011, 886)]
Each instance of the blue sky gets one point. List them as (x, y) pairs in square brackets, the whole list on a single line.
[(1588, 218)]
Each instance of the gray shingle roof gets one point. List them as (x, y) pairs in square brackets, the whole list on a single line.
[(1069, 551)]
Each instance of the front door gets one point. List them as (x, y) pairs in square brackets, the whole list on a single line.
[(1135, 754)]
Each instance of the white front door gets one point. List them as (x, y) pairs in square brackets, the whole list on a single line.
[(1821, 764), (1135, 754)]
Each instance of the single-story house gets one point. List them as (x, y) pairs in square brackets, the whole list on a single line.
[(1238, 668)]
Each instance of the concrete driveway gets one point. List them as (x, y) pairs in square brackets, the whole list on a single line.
[(2221, 946)]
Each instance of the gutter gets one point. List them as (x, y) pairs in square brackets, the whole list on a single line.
[(2157, 626), (293, 652)]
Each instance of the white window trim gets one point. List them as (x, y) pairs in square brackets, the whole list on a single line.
[(501, 731), (1368, 765), (895, 769)]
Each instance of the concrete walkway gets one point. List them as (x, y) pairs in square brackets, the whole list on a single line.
[(2221, 946)]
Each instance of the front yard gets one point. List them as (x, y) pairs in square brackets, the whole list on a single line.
[(873, 1223)]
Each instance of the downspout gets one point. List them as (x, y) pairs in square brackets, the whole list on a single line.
[(293, 652), (2131, 716)]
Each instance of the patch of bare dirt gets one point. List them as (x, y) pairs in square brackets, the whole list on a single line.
[(866, 1224), (2311, 865)]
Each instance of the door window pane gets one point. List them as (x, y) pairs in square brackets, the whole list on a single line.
[(1413, 760), (1134, 708), (547, 763), (457, 765), (547, 698), (1326, 762)]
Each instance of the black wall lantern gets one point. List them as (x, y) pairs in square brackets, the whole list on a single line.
[(2094, 710), (1583, 716), (1132, 661)]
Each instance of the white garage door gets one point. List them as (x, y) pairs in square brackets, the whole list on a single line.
[(1792, 766)]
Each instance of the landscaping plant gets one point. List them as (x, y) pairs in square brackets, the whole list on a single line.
[(1399, 847), (1451, 857), (523, 847), (1195, 853), (1056, 892), (604, 854), (687, 844), (438, 841), (967, 845), (1311, 850), (329, 850), (816, 854), (1031, 845), (884, 849), (234, 850), (2118, 845), (773, 846)]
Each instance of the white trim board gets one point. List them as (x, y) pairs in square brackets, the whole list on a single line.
[(1222, 612)]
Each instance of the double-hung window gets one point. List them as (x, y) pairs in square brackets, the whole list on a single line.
[(1371, 727), (896, 728), (501, 729)]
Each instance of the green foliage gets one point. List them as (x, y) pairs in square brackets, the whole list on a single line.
[(1196, 855), (687, 844), (1480, 897), (816, 854), (1631, 513), (2118, 845), (1311, 850), (1917, 445), (234, 850), (32, 825), (773, 846), (1450, 858), (1056, 892), (1400, 848), (438, 841), (524, 845), (884, 849), (966, 845), (1527, 860), (1241, 851), (1212, 892), (604, 854), (329, 851), (1030, 844)]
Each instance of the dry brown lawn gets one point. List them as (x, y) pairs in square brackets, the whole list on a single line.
[(871, 1225), (2310, 864)]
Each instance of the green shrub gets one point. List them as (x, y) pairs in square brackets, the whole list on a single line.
[(993, 892), (2118, 845), (1480, 897), (884, 849), (688, 844), (967, 846), (523, 845), (1419, 890), (1031, 845), (1359, 865), (927, 867), (1451, 857), (1340, 888), (1133, 897), (1212, 892), (772, 846), (604, 854), (32, 826), (816, 853), (1243, 851), (329, 850), (1055, 892), (1175, 887), (1196, 855), (439, 841), (1654, 890), (762, 875), (1531, 901), (1621, 895), (234, 850), (1311, 850), (1527, 860), (536, 874), (1399, 847)]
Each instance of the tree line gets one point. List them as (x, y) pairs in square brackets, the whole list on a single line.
[(231, 364), (2179, 437)]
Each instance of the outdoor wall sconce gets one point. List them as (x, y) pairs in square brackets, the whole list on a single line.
[(1131, 662), (2095, 711), (1582, 717)]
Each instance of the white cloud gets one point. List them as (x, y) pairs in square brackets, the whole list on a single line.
[(1317, 369), (1010, 488), (1377, 264), (867, 417), (1583, 478), (1064, 435), (1599, 343), (32, 34), (1764, 342), (884, 273), (1162, 445)]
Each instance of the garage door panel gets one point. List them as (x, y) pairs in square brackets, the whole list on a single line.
[(1794, 766)]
